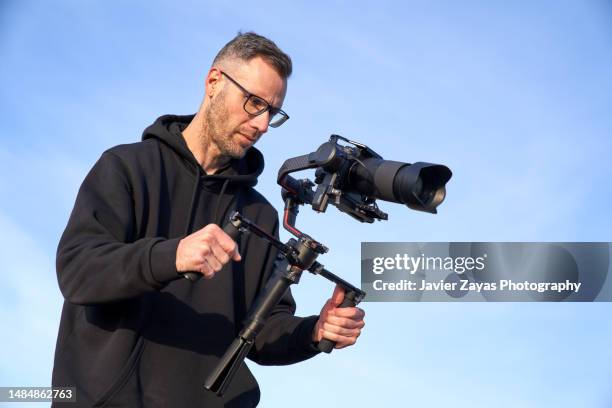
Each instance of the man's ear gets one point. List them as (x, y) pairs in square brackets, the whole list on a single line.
[(212, 82)]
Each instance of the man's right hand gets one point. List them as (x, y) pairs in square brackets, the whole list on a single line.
[(206, 251)]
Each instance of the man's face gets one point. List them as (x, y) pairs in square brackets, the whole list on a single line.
[(230, 127)]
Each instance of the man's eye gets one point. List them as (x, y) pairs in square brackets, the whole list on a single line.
[(258, 103)]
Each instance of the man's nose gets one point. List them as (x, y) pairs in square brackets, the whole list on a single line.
[(260, 122)]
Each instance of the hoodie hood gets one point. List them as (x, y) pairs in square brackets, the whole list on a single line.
[(238, 173), (230, 181)]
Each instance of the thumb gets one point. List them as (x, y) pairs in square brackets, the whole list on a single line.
[(338, 296)]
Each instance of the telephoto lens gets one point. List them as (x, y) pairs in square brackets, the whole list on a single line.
[(421, 186)]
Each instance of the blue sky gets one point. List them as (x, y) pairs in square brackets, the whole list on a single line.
[(514, 97)]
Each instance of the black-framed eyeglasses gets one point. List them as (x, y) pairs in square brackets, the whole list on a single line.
[(255, 105)]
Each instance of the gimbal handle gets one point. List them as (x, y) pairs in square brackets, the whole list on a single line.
[(220, 378), (326, 345), (352, 297)]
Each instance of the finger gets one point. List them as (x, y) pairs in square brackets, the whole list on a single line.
[(213, 262), (227, 244), (327, 307), (212, 232), (206, 254), (340, 340), (354, 313), (206, 270), (220, 254), (342, 331), (344, 322), (338, 295)]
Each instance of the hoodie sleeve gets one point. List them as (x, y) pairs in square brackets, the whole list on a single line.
[(285, 338), (98, 258)]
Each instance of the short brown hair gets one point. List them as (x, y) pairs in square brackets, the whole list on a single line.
[(250, 45)]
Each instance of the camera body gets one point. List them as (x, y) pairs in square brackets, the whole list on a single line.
[(352, 176)]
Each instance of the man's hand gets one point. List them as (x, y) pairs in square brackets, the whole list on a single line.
[(206, 251), (342, 325)]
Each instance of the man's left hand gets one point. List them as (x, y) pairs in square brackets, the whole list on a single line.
[(342, 325)]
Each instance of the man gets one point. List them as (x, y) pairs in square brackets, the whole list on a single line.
[(133, 331)]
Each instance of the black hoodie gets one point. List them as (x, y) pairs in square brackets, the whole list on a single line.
[(133, 332)]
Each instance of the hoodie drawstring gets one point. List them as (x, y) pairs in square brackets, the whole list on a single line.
[(218, 205), (194, 202), (194, 199)]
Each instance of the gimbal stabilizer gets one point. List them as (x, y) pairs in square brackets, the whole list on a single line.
[(352, 177)]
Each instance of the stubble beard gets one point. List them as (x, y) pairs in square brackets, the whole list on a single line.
[(216, 130)]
